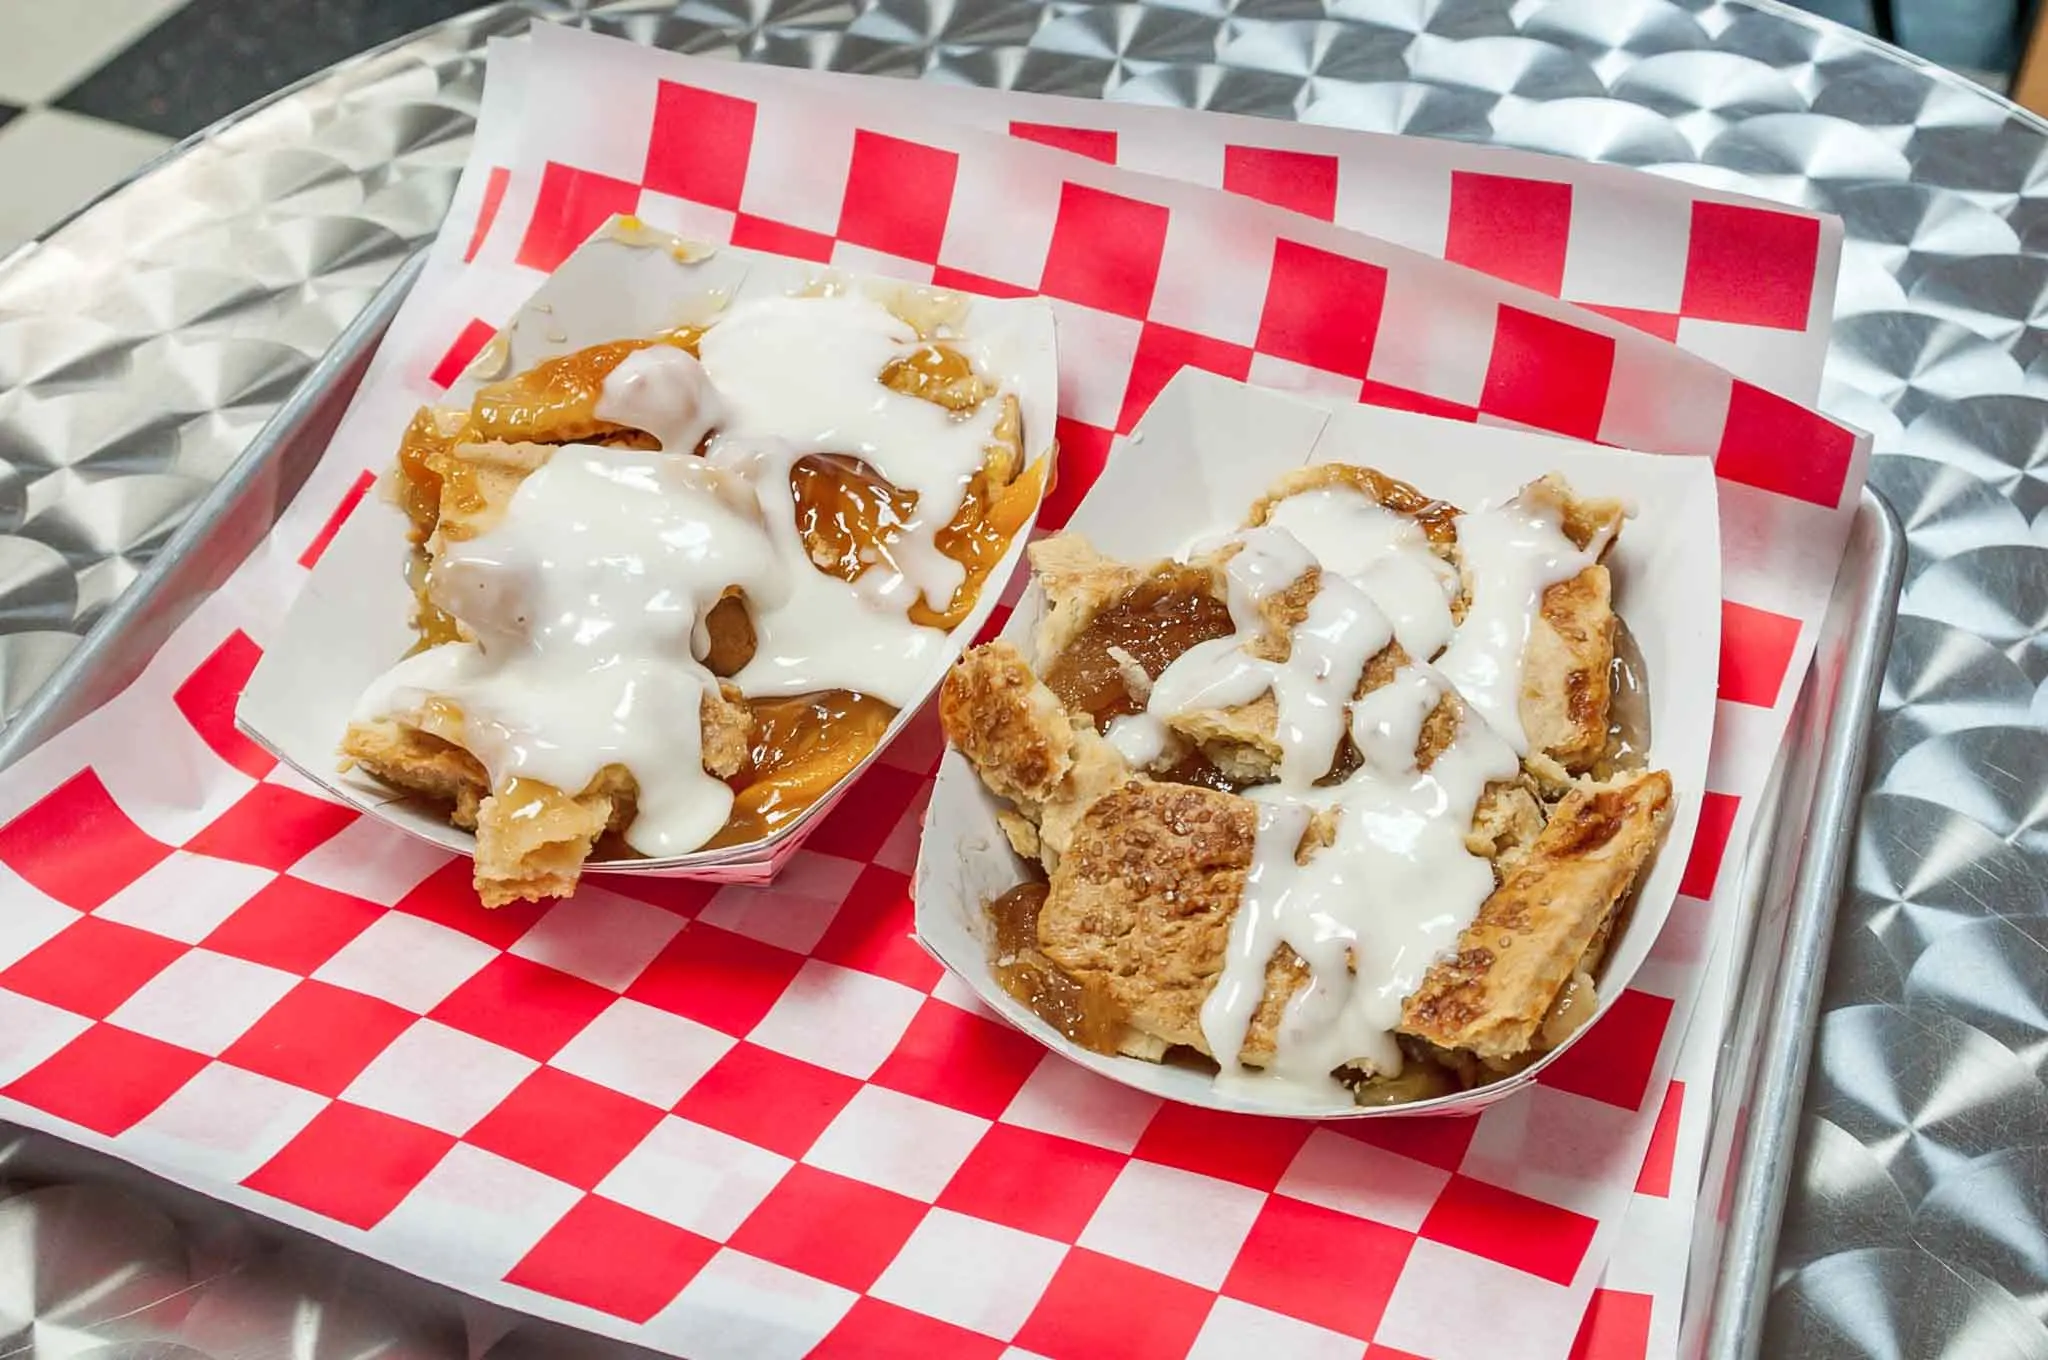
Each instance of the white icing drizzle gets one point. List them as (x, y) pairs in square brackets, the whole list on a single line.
[(1141, 739), (1394, 886), (662, 390), (1512, 554), (588, 598)]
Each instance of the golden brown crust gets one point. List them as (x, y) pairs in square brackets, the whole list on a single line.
[(1142, 901), (1433, 516), (1565, 670), (1490, 995), (1012, 728), (404, 757), (477, 485), (1079, 583)]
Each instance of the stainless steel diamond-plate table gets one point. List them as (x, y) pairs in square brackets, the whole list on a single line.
[(144, 343)]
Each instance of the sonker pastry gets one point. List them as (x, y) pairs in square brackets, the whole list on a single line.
[(670, 589), (1350, 798)]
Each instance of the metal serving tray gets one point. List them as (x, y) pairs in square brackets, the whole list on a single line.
[(1782, 935)]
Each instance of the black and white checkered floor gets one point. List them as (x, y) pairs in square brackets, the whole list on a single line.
[(90, 90)]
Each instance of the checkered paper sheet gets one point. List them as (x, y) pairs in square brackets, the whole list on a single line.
[(758, 1122)]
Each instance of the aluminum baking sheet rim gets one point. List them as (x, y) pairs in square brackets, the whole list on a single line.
[(279, 449)]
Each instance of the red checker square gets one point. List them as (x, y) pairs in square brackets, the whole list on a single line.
[(487, 211), (1298, 180), (683, 896), (716, 978), (1332, 1269), (351, 1164), (872, 931), (210, 692), (1164, 351), (1033, 1181), (319, 1037), (358, 489), (292, 925), (1098, 1305), (1616, 1327), (1094, 143), (271, 826), (448, 897), (1510, 1229), (1663, 325), (1658, 1162), (565, 1127), (1322, 310), (700, 145), (466, 346), (1105, 251), (1379, 1352), (76, 845), (1434, 1140), (91, 966), (1401, 399), (614, 1259), (962, 281), (992, 627), (1612, 1060), (1083, 453), (1756, 651), (1247, 1149), (951, 1057), (570, 205), (863, 819), (1514, 229), (873, 1330), (1547, 373), (777, 238), (829, 1227), (525, 1006), (897, 196), (1778, 445), (1709, 844), (1751, 266), (766, 1099), (106, 1079)]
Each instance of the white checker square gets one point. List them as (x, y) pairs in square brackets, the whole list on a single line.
[(1522, 1314), (1561, 1148), (28, 920), (742, 1308), (1427, 346), (186, 896), (644, 1052), (690, 220), (865, 260), (439, 1077), (157, 782), (223, 1124), (1285, 375), (599, 936), (1659, 398), (203, 1001), (1064, 1098), (406, 960), (474, 1212), (838, 1018), (792, 912), (370, 860), (1406, 195), (1235, 1329), (899, 851), (1212, 273), (31, 1030), (1000, 224), (1632, 257), (695, 1178), (1356, 1178), (1174, 1222), (1104, 347), (798, 170), (1783, 361), (898, 1142), (971, 1273)]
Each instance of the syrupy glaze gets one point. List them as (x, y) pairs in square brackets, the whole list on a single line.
[(1628, 709), (434, 624), (938, 374), (1086, 1014), (1165, 616), (802, 747), (429, 434), (557, 398), (849, 518)]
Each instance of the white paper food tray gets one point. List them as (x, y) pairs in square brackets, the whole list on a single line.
[(352, 620), (1205, 451)]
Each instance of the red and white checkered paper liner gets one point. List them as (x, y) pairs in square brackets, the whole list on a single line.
[(753, 1122)]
